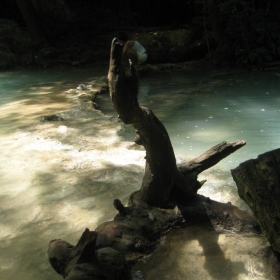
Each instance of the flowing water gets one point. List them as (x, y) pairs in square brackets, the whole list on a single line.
[(58, 178)]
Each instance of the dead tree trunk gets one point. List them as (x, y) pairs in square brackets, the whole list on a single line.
[(258, 183), (161, 173), (113, 247)]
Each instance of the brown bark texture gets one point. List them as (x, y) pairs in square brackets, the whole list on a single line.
[(167, 198)]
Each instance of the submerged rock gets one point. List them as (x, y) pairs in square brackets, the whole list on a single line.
[(51, 118)]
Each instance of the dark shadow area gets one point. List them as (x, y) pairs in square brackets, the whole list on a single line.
[(217, 265)]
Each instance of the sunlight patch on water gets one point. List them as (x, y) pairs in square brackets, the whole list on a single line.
[(66, 179), (43, 91), (59, 178), (47, 145)]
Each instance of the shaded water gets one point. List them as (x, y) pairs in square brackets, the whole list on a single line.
[(59, 178)]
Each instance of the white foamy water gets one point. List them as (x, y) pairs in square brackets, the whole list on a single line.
[(57, 178)]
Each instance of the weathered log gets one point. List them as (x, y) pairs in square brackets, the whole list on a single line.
[(258, 183), (210, 157), (190, 169), (161, 172), (109, 251), (113, 247), (85, 260)]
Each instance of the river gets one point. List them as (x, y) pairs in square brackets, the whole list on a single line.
[(58, 178)]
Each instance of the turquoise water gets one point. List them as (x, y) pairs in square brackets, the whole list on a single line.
[(59, 178), (201, 110)]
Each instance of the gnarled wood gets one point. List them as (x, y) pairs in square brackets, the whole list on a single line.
[(210, 157), (85, 260), (161, 172), (109, 251)]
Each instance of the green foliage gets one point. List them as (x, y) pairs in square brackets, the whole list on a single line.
[(7, 59), (17, 49), (14, 46), (250, 33)]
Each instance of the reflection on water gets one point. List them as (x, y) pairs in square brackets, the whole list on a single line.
[(59, 178)]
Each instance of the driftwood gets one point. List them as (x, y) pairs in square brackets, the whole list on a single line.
[(258, 183), (167, 198)]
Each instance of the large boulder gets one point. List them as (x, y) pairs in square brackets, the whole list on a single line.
[(258, 184)]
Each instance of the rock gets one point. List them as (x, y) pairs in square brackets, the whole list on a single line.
[(51, 118)]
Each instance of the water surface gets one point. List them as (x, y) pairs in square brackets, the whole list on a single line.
[(58, 178)]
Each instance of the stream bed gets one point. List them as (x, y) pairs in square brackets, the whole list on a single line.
[(58, 178)]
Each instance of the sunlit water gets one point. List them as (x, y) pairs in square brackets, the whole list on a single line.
[(57, 178)]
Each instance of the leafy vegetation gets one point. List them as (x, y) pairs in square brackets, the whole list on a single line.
[(250, 32), (237, 32)]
